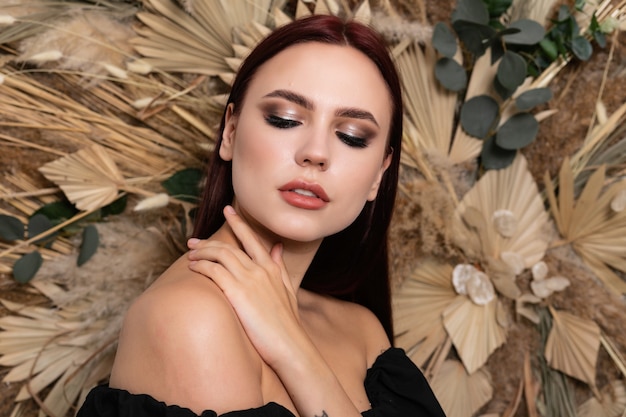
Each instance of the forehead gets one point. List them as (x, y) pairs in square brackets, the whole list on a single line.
[(333, 75)]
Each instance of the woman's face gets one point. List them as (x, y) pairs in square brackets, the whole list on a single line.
[(308, 146)]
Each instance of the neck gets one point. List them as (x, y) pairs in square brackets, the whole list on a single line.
[(297, 256)]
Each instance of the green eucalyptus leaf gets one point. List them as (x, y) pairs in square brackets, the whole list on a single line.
[(564, 14), (450, 74), (580, 4), (11, 228), (550, 48), (497, 50), (494, 157), (600, 38), (581, 48), (27, 266), (116, 207), (57, 212), (471, 11), (91, 240), (444, 40), (184, 185), (37, 224), (479, 115), (511, 71), (531, 98), (519, 131), (497, 7), (475, 37), (530, 32), (503, 92)]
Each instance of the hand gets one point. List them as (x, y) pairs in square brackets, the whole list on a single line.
[(257, 285)]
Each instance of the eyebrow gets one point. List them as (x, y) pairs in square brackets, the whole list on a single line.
[(300, 100)]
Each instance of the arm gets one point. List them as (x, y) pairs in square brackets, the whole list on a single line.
[(258, 287)]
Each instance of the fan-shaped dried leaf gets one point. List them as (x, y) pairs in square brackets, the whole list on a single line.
[(514, 190), (572, 346), (418, 305), (474, 330), (89, 178), (198, 41), (428, 106), (612, 403), (460, 394), (595, 231)]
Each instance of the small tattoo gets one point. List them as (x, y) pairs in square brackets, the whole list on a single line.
[(322, 415)]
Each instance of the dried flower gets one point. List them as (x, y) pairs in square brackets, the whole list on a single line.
[(513, 260), (539, 271), (504, 222), (618, 204)]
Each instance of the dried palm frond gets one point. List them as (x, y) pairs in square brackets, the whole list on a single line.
[(611, 404), (594, 229), (418, 306), (429, 107), (460, 394), (45, 348), (572, 346), (501, 222), (475, 330), (464, 147), (537, 10), (89, 178), (74, 339), (199, 39)]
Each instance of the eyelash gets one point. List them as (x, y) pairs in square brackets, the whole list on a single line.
[(282, 123)]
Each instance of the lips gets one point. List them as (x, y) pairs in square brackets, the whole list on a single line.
[(304, 195)]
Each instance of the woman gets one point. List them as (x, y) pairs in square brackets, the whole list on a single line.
[(284, 310)]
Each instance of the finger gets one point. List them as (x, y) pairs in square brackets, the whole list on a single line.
[(231, 258), (277, 256), (248, 238), (216, 272)]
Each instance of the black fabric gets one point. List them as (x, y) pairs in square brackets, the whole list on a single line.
[(394, 386)]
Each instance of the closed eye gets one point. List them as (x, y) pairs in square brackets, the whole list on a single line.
[(281, 122), (353, 141)]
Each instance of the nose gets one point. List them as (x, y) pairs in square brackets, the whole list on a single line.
[(314, 151)]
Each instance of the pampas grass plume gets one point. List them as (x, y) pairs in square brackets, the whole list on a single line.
[(116, 71), (6, 19), (89, 42), (153, 202), (46, 56), (138, 67)]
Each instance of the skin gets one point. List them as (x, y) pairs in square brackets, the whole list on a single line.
[(249, 335)]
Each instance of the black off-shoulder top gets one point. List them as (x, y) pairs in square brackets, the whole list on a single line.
[(394, 386)]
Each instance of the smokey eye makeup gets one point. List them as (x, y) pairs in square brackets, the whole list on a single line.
[(351, 140), (281, 122)]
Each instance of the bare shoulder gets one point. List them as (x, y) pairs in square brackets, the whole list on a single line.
[(355, 323), (181, 342)]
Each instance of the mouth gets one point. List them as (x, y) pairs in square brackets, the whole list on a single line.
[(303, 194), (306, 189)]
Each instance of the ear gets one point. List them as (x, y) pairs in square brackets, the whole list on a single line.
[(228, 135), (374, 190)]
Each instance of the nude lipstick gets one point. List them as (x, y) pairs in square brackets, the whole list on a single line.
[(304, 195)]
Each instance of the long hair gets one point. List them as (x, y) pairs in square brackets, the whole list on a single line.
[(351, 264)]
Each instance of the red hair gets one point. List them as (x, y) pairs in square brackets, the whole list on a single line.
[(351, 264)]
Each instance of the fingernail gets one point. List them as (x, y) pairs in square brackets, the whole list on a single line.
[(193, 241), (230, 210)]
